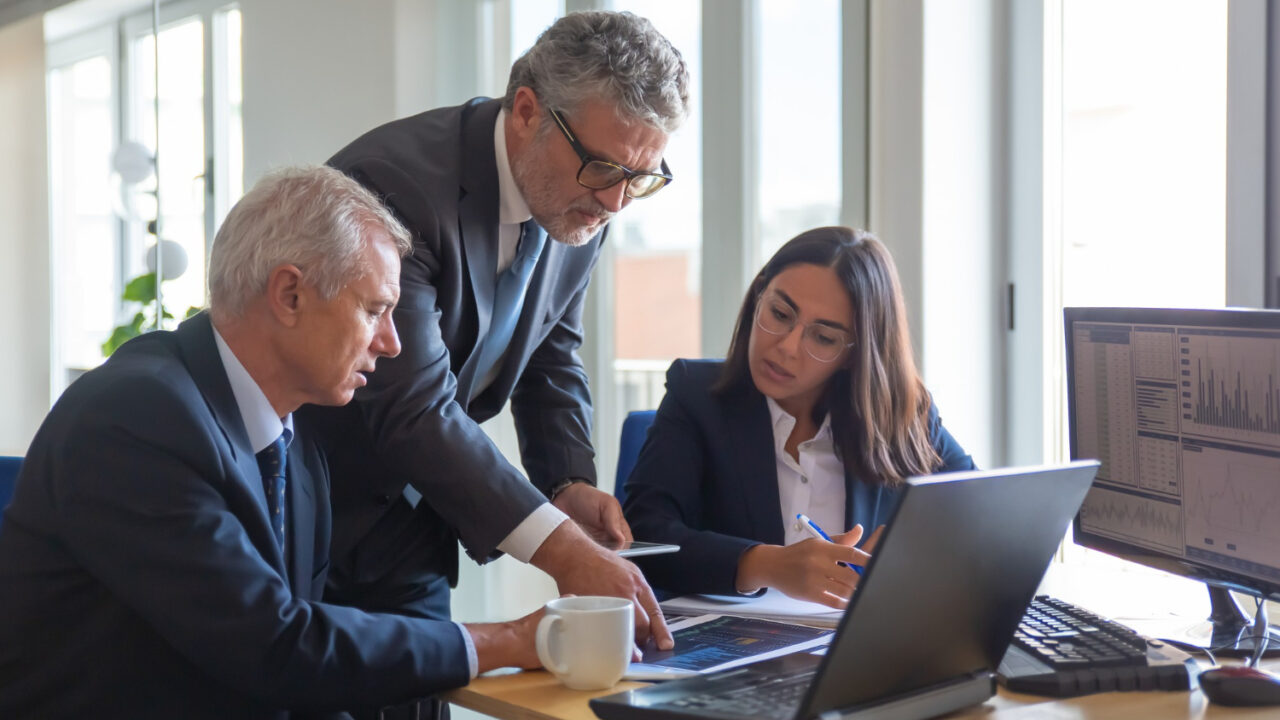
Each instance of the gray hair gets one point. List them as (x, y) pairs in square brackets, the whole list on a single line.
[(313, 217), (613, 56)]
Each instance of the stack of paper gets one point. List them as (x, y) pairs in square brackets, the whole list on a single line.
[(773, 605)]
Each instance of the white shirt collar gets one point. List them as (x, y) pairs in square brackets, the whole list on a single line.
[(512, 208), (260, 420), (783, 423)]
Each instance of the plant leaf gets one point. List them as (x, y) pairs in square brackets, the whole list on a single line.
[(141, 289), (123, 334)]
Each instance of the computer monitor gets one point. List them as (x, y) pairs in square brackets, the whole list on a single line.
[(1183, 409)]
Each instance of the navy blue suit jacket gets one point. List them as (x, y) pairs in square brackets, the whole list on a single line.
[(139, 576), (707, 480), (415, 422)]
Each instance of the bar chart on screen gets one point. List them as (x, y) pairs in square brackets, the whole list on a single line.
[(1231, 385)]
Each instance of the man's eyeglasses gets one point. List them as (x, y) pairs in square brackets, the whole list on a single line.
[(823, 342), (598, 174)]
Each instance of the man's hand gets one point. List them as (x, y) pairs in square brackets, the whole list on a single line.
[(596, 511), (581, 566), (508, 644)]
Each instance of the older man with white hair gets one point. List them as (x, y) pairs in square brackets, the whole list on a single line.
[(167, 544)]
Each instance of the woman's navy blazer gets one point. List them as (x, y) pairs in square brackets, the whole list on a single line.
[(707, 480)]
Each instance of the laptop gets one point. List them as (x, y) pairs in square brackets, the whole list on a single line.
[(930, 621)]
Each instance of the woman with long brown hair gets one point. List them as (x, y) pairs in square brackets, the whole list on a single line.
[(817, 410)]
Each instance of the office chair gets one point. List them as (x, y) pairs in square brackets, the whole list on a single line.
[(634, 428), (8, 476)]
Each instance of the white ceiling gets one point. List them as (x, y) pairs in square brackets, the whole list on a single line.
[(15, 10)]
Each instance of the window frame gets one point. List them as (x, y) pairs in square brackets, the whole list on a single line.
[(102, 41), (115, 37)]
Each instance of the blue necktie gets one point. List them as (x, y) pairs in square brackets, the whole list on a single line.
[(272, 460), (508, 296)]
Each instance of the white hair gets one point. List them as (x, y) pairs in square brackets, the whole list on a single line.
[(613, 56), (315, 218)]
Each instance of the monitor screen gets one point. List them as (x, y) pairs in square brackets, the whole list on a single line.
[(1183, 409)]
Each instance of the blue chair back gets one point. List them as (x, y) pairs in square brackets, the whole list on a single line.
[(634, 428), (8, 476)]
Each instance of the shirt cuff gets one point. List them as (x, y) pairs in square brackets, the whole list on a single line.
[(529, 535), (473, 661)]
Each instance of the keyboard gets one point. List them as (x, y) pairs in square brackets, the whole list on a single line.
[(1062, 650), (776, 697)]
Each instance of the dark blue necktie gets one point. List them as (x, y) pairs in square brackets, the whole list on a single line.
[(508, 296), (272, 461)]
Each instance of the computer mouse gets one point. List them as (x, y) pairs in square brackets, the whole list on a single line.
[(1240, 686)]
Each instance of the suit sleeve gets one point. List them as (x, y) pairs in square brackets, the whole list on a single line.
[(953, 457), (419, 431), (162, 525), (551, 405), (665, 497)]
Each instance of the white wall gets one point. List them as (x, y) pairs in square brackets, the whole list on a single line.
[(317, 74), (25, 312), (1033, 173), (964, 283)]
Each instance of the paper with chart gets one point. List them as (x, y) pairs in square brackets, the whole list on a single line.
[(772, 605), (708, 643)]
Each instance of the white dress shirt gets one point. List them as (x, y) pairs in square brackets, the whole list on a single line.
[(813, 484), (529, 535), (263, 426)]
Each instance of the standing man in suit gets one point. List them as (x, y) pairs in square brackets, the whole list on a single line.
[(167, 543), (508, 202)]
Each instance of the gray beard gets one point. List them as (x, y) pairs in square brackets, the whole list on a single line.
[(533, 183)]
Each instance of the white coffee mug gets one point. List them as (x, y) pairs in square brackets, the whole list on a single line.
[(586, 641)]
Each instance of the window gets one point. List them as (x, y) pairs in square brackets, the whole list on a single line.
[(656, 242), (800, 123), (102, 94), (1144, 152), (84, 198), (1143, 187), (528, 19), (181, 156)]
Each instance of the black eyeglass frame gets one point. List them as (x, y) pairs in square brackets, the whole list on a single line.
[(628, 175)]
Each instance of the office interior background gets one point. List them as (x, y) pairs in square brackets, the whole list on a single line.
[(1017, 156)]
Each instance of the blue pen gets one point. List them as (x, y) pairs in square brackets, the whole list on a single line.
[(817, 532)]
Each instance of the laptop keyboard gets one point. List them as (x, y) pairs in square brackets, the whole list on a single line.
[(1067, 650), (771, 697)]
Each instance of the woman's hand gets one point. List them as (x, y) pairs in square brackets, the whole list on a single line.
[(810, 569)]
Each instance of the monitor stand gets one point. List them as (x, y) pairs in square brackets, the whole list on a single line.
[(1229, 632)]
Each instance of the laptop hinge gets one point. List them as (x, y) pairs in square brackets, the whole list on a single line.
[(926, 702)]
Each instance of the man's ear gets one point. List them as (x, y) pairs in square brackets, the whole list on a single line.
[(526, 114), (284, 294)]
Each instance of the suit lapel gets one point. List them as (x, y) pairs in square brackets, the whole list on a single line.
[(478, 225), (200, 353), (756, 465), (300, 521)]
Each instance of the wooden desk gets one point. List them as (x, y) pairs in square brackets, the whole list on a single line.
[(536, 695)]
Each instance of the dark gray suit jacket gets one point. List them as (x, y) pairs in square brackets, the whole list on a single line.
[(139, 576), (414, 423)]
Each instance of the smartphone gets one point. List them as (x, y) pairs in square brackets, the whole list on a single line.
[(636, 549)]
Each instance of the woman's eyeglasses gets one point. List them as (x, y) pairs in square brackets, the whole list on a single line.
[(823, 342)]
